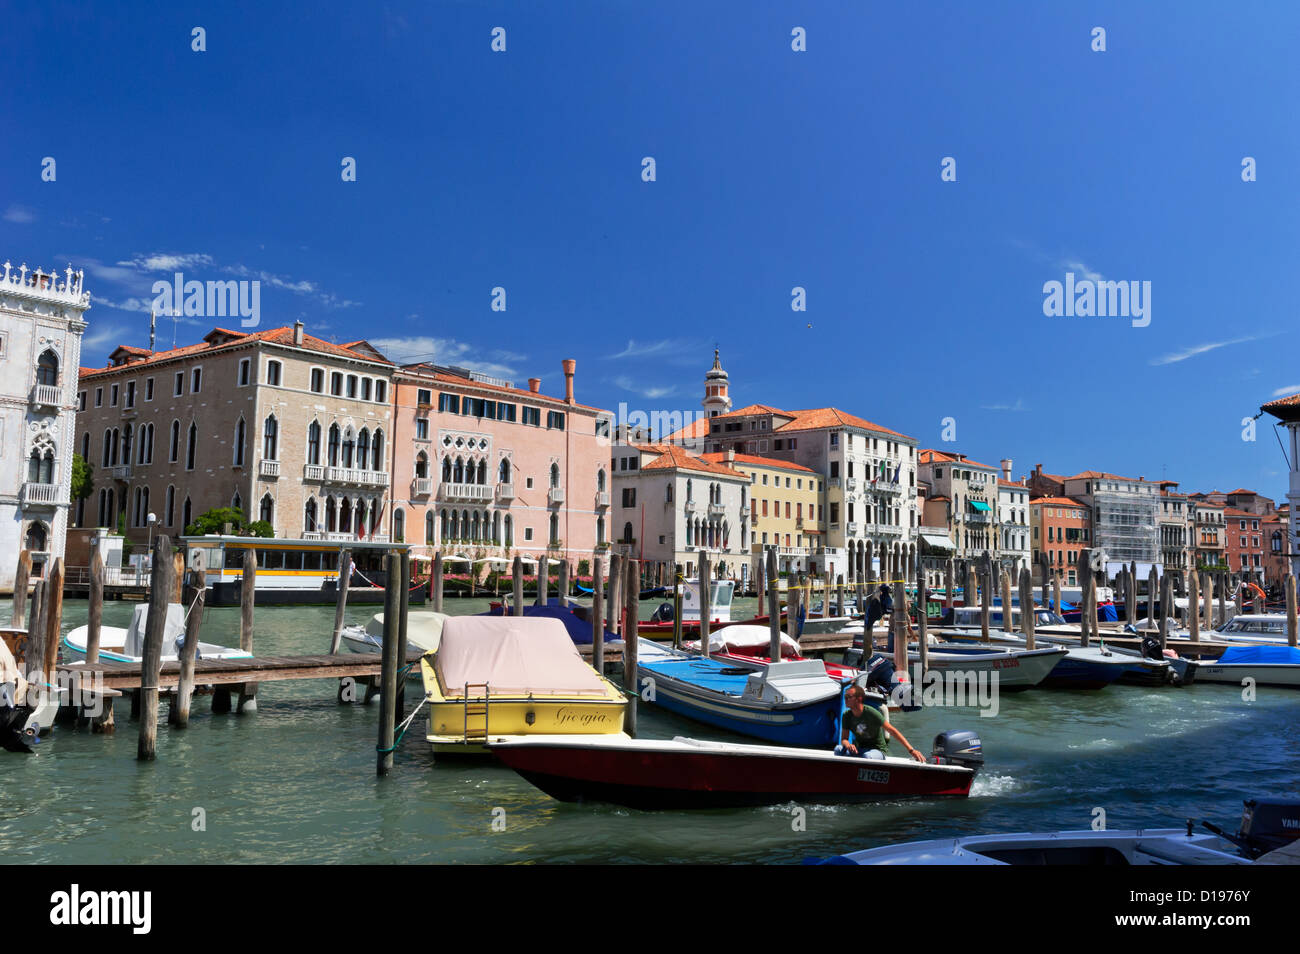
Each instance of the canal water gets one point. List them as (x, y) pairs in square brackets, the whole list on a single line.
[(295, 781)]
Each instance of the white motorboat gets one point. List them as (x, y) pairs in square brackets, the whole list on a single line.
[(1267, 629), (423, 632), (1266, 665), (1015, 668), (127, 645)]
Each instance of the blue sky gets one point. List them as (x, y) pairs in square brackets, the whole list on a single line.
[(775, 169)]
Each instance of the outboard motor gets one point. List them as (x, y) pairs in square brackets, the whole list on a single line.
[(1269, 824), (960, 747), (1151, 647), (663, 614)]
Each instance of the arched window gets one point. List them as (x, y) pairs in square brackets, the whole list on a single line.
[(237, 501), (313, 443), (627, 533), (555, 529), (331, 515), (446, 470), (240, 433), (270, 439), (482, 472), (349, 448), (191, 443), (333, 449), (458, 472), (496, 526), (399, 525), (503, 471), (376, 512), (174, 445), (600, 480), (600, 529), (345, 516), (428, 526), (47, 369), (186, 511), (421, 465), (509, 527), (453, 529), (363, 448), (377, 450), (146, 445), (171, 506), (40, 467), (309, 516), (128, 433), (444, 527), (36, 536), (108, 447), (555, 475), (267, 510), (690, 492)]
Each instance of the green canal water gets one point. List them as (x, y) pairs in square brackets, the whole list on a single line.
[(295, 781)]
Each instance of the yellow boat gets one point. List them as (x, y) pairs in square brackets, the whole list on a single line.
[(498, 677)]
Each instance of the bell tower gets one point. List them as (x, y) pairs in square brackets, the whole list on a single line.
[(716, 385)]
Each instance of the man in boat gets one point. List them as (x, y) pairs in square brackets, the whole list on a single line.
[(866, 729)]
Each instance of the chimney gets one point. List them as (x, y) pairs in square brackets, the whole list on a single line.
[(568, 364), (535, 385), (297, 333), (1006, 469), (731, 455)]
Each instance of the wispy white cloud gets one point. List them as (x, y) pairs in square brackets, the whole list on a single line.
[(447, 351), (1082, 270), (19, 215), (167, 261), (1289, 389), (101, 336), (1175, 356), (649, 393), (646, 349), (1018, 406)]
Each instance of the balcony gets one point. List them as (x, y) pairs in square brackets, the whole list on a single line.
[(46, 395), (688, 506), (421, 486), (833, 482), (269, 468), (355, 475), (851, 484), (120, 472), (452, 491), (313, 472), (555, 496), (979, 517), (850, 528), (717, 510), (41, 495), (602, 499), (506, 490)]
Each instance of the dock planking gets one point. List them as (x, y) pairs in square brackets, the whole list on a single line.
[(216, 672)]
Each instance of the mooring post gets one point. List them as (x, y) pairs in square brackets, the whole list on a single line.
[(35, 656), (192, 598), (1289, 587), (773, 607), (1008, 625), (1056, 592), (900, 625), (53, 620), (1027, 606), (1166, 606), (388, 678), (949, 581), (517, 586), (22, 578), (404, 612), (1152, 584), (1194, 606), (160, 592), (677, 608), (839, 594), (612, 608), (247, 598), (95, 608), (631, 680), (598, 614), (986, 595), (706, 601), (439, 571), (1087, 585), (1223, 590), (340, 603), (543, 579), (1044, 571), (563, 582), (922, 618), (793, 604)]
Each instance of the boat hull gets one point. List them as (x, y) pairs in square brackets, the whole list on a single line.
[(1282, 675), (1016, 669), (806, 725), (682, 774)]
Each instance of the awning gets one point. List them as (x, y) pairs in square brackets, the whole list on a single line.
[(939, 541), (979, 505)]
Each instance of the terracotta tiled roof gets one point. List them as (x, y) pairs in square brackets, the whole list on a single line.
[(1202, 502), (1058, 502), (1015, 484), (225, 338), (721, 458), (1287, 405), (930, 455), (672, 457), (1241, 490), (443, 377), (940, 497), (1234, 512), (832, 417)]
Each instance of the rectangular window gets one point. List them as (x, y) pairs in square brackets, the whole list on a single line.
[(81, 401), (835, 468), (449, 403), (196, 380), (148, 389), (533, 416), (366, 385), (317, 381), (336, 384), (99, 397), (421, 429), (244, 365), (352, 385), (765, 508), (178, 385), (555, 420), (112, 396), (629, 496), (424, 398), (835, 513), (381, 392), (528, 533), (273, 373)]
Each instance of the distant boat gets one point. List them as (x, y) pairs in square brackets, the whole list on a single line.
[(423, 630), (127, 645), (694, 773)]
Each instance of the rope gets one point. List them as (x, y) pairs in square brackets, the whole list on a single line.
[(404, 726)]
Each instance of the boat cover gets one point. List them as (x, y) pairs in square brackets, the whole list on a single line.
[(513, 655), (173, 630), (579, 629), (1256, 655), (746, 637)]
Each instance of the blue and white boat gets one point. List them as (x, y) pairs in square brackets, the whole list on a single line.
[(1266, 665), (790, 703), (127, 645)]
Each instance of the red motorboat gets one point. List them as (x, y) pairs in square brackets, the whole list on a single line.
[(694, 773)]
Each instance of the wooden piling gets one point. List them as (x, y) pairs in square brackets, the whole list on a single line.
[(563, 582), (922, 619), (1194, 606), (1223, 590), (900, 622), (437, 582), (612, 608), (192, 598), (631, 674), (404, 612), (986, 596), (340, 602), (1132, 592), (839, 595), (543, 580), (517, 587), (1045, 571), (35, 657), (598, 614), (95, 608), (53, 619), (1166, 607), (677, 608), (247, 600), (22, 579), (1027, 606), (949, 581), (160, 593), (706, 601), (1056, 593), (388, 677), (1289, 587), (1088, 596), (774, 610), (1007, 623), (1152, 585)]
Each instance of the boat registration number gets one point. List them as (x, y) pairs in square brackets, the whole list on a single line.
[(1006, 664), (873, 775)]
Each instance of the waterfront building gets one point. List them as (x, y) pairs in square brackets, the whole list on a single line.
[(1208, 531), (1277, 556), (1042, 484), (1174, 528), (1059, 528), (1244, 545), (489, 470), (1287, 410), (969, 492), (785, 513), (1013, 544), (1125, 522), (294, 430), (670, 504), (41, 325)]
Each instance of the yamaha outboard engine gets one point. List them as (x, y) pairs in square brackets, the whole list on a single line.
[(1151, 647), (960, 747), (1269, 824), (664, 613)]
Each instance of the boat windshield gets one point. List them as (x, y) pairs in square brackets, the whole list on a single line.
[(1045, 617), (1239, 625), (720, 593)]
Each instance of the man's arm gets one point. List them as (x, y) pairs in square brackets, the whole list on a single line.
[(892, 730)]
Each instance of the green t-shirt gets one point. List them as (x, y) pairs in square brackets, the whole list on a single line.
[(866, 731)]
